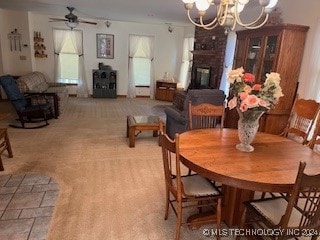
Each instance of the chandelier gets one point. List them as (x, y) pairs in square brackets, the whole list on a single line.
[(228, 13)]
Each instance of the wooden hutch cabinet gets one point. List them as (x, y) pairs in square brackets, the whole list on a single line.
[(165, 90), (271, 49)]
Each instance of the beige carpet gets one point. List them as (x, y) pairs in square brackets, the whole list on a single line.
[(107, 190)]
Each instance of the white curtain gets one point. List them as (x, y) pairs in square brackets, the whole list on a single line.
[(59, 37), (313, 87), (82, 88), (133, 49), (185, 73), (228, 61), (146, 44)]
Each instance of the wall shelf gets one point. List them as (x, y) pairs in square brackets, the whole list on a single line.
[(39, 47)]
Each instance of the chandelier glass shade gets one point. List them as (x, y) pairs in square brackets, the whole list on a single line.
[(228, 13)]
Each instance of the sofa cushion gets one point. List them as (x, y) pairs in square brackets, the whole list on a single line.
[(34, 81), (42, 86)]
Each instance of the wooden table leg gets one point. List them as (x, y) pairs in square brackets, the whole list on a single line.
[(131, 136), (1, 165), (155, 133), (8, 145), (232, 207), (128, 126), (198, 220)]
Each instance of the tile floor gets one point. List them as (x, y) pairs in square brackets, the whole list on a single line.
[(26, 205)]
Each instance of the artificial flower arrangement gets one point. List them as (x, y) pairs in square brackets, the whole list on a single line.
[(248, 95)]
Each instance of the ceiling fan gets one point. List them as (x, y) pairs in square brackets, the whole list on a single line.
[(71, 19)]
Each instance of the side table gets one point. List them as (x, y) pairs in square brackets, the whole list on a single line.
[(142, 123)]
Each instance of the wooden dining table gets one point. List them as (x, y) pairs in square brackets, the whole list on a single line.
[(271, 167)]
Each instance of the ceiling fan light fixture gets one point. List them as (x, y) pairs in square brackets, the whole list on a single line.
[(72, 25)]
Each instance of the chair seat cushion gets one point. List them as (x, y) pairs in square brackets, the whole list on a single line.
[(198, 186), (274, 208)]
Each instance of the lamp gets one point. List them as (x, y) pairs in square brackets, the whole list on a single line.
[(72, 25), (228, 13)]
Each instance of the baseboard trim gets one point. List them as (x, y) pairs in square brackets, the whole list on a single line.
[(121, 96)]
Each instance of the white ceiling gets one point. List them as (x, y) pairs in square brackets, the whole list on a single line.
[(142, 11)]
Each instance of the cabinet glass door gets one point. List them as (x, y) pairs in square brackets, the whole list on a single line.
[(269, 56), (253, 56)]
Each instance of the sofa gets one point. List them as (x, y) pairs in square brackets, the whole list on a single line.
[(37, 83), (177, 119)]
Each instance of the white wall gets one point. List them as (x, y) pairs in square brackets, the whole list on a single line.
[(168, 46), (11, 62)]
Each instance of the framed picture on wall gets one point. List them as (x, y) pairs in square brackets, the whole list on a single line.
[(105, 45)]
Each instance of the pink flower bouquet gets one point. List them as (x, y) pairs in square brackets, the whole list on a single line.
[(248, 95)]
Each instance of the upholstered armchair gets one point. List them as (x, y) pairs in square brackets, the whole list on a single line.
[(177, 120)]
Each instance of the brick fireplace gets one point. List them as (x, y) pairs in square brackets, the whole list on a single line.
[(209, 51)]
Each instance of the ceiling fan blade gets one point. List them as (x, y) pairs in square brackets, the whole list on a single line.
[(57, 19), (81, 21)]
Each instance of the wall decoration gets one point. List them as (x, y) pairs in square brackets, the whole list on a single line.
[(105, 46), (15, 40)]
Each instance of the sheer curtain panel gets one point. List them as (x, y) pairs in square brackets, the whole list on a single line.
[(82, 88), (140, 46), (59, 37), (185, 73)]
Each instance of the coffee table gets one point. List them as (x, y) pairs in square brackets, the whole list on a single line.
[(142, 123)]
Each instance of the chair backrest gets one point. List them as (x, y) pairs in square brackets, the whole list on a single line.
[(13, 93), (301, 119), (171, 163), (197, 96), (303, 208), (206, 115), (315, 140)]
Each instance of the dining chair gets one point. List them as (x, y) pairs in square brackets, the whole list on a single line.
[(315, 139), (296, 213), (301, 119), (206, 115), (186, 191), (4, 145)]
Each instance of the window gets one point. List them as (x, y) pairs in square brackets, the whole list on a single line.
[(69, 62), (141, 53), (141, 71), (141, 68)]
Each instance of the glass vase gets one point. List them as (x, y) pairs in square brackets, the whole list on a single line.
[(248, 126)]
